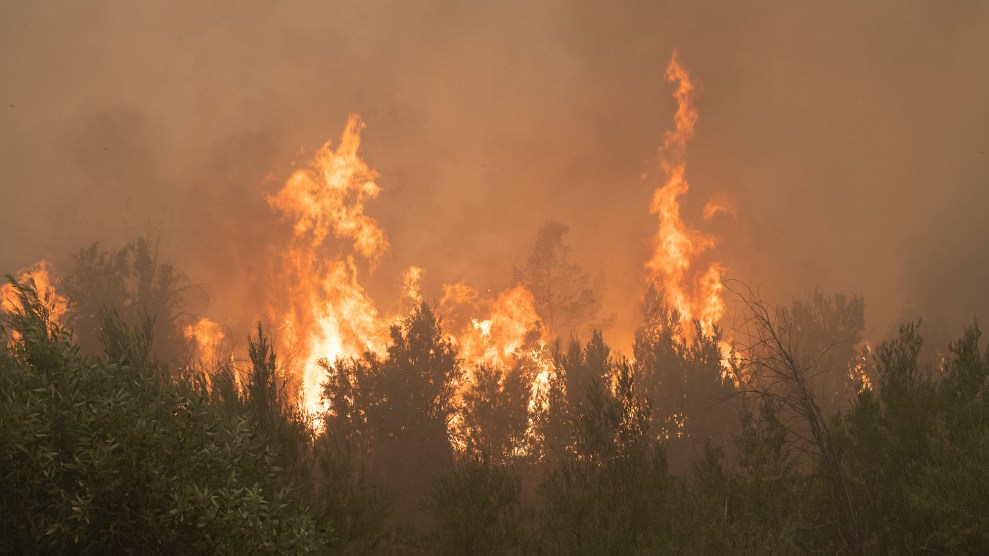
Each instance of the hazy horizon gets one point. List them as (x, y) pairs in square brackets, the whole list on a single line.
[(851, 139)]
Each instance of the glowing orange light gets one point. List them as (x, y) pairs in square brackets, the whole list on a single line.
[(327, 313), (206, 336), (44, 283), (693, 290)]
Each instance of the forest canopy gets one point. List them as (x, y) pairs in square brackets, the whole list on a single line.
[(798, 441)]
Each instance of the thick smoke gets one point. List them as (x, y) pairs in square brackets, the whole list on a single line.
[(851, 137)]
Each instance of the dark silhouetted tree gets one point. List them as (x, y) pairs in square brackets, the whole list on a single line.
[(397, 409), (566, 297), (477, 508), (917, 444), (613, 493), (689, 384), (749, 497), (775, 367), (495, 413), (831, 326), (138, 286)]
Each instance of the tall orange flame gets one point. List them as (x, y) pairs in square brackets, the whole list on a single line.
[(327, 313), (693, 290), (329, 196)]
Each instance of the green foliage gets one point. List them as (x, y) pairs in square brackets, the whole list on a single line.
[(104, 449), (690, 389), (577, 368), (324, 475), (395, 411), (103, 455), (496, 414), (776, 366), (828, 328), (581, 365), (477, 509), (350, 392), (345, 496), (613, 493), (753, 503), (917, 447), (134, 283)]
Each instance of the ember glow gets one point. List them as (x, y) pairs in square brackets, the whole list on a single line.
[(691, 288)]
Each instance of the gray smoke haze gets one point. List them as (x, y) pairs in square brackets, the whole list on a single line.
[(853, 137)]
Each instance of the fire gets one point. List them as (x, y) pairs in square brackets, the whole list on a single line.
[(858, 368), (513, 323), (326, 313), (329, 196), (511, 339), (44, 283), (720, 204), (412, 284), (693, 290), (206, 336)]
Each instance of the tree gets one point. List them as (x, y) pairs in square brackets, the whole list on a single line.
[(344, 495), (109, 454), (397, 409), (565, 297), (261, 396), (831, 326), (774, 368), (753, 499), (135, 283), (477, 509), (916, 446), (691, 387), (613, 492), (349, 393), (495, 414), (580, 365), (577, 369)]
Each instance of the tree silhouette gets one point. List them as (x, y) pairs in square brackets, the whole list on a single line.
[(397, 409), (594, 500), (687, 381), (134, 282), (564, 294)]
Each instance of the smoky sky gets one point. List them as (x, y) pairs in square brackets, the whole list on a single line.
[(852, 137)]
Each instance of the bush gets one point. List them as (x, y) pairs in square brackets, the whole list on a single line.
[(107, 455)]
